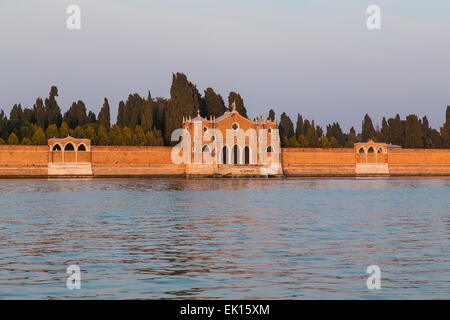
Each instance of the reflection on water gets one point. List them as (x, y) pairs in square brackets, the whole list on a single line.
[(230, 239)]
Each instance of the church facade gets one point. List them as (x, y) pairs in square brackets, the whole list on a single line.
[(231, 145)]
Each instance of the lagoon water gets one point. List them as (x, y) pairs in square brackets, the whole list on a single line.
[(225, 238)]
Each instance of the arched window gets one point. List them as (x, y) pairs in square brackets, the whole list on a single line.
[(361, 150), (371, 150), (56, 147), (380, 150), (269, 149), (235, 126), (205, 148), (225, 155), (235, 154), (69, 147), (82, 147), (246, 155)]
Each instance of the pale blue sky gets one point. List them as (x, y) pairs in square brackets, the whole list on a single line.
[(315, 57)]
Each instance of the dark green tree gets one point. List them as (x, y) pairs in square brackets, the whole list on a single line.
[(286, 126), (147, 115), (76, 115), (52, 110), (16, 112), (234, 97), (368, 131), (104, 116), (214, 103), (413, 132), (183, 102), (300, 128)]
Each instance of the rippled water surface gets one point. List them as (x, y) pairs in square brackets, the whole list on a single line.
[(230, 239)]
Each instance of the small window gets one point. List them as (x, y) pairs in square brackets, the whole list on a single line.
[(205, 148), (371, 150), (269, 149), (81, 147), (270, 130), (380, 150), (205, 129), (235, 126), (361, 150), (56, 147)]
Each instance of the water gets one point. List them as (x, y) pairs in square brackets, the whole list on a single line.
[(227, 239)]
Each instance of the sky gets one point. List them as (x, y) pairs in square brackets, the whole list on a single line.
[(313, 57)]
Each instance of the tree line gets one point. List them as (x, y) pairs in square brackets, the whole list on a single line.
[(147, 121)]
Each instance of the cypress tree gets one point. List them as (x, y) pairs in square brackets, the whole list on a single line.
[(214, 103), (385, 132), (413, 132), (234, 97), (147, 114), (271, 115), (121, 114), (368, 131), (52, 110), (104, 117), (396, 130), (286, 126), (76, 115), (39, 113), (300, 128), (183, 102), (16, 112), (445, 130)]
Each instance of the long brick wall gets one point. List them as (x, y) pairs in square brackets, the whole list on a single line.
[(33, 161), (318, 162)]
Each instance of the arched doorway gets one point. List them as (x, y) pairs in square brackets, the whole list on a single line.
[(235, 154), (246, 155), (225, 155)]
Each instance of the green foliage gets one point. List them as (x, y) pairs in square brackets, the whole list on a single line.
[(140, 136), (52, 131), (334, 143), (292, 142), (302, 141), (13, 139), (26, 141), (64, 130), (2, 142), (39, 137), (312, 137), (16, 112), (324, 143), (115, 136), (271, 115), (102, 136), (90, 134)]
